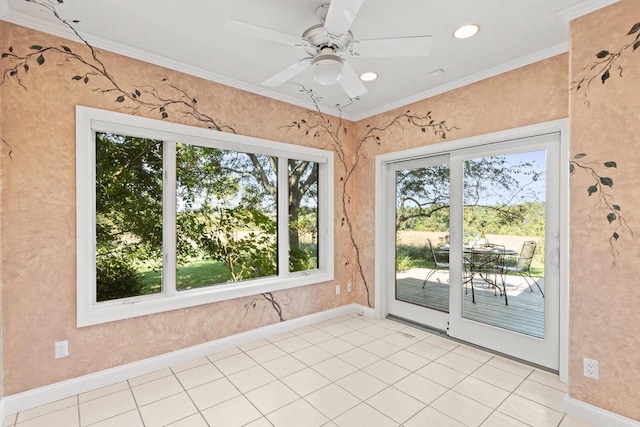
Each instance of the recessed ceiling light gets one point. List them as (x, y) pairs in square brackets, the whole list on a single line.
[(368, 76), (466, 31)]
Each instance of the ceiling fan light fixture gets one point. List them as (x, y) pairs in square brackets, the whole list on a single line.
[(466, 31), (368, 76), (327, 69)]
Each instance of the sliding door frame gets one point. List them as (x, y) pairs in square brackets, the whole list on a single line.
[(384, 269)]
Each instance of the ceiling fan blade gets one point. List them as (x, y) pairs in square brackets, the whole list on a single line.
[(288, 73), (350, 82), (341, 15), (262, 33), (395, 47)]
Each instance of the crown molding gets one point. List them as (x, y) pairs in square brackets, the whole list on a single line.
[(57, 29), (4, 8), (491, 72), (60, 30), (583, 8)]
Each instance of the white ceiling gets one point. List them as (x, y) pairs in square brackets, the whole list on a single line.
[(188, 36)]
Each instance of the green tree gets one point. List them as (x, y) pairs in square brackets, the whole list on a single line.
[(493, 183)]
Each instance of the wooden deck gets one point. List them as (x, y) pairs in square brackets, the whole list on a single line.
[(524, 314)]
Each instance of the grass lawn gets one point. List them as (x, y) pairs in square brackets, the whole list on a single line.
[(194, 274)]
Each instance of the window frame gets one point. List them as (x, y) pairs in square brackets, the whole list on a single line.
[(89, 121)]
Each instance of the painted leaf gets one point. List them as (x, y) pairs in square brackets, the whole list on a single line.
[(138, 92), (11, 49), (605, 76), (4, 55), (164, 115), (26, 67), (616, 207), (40, 59), (86, 79), (612, 217), (602, 54), (66, 49), (636, 45), (592, 189), (13, 72), (579, 156), (635, 28), (615, 236), (606, 181), (76, 78), (572, 168), (120, 98), (611, 164), (36, 47)]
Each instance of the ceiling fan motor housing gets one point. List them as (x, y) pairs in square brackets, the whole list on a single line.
[(319, 39)]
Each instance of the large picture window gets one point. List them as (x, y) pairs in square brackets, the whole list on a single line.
[(171, 216)]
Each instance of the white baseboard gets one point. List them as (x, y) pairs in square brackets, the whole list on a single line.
[(2, 410), (50, 393), (594, 415)]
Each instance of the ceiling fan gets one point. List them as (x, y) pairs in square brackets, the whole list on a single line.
[(328, 43)]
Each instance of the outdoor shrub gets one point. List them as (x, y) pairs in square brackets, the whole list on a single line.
[(403, 263), (301, 260), (411, 251), (116, 278)]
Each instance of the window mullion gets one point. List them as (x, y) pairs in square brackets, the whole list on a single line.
[(169, 219), (283, 217)]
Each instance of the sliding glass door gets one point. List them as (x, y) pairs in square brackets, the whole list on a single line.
[(476, 236)]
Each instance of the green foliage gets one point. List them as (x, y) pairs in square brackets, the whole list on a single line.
[(403, 263), (116, 278), (247, 255), (301, 259), (412, 251)]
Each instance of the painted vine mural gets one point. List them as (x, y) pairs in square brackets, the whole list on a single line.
[(167, 100), (317, 124), (605, 64)]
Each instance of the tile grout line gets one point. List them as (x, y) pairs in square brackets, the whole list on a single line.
[(375, 336)]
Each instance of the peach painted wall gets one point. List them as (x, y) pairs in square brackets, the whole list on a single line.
[(605, 298), (38, 267)]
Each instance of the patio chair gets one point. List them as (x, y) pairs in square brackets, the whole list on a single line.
[(440, 259), (485, 261), (523, 264)]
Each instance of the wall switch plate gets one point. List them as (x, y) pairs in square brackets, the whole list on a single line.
[(61, 349), (337, 289), (591, 368), (348, 286)]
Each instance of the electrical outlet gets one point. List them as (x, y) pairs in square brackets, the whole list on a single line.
[(348, 286), (337, 289), (61, 349), (591, 368)]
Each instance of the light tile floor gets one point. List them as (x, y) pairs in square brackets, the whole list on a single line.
[(348, 371)]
